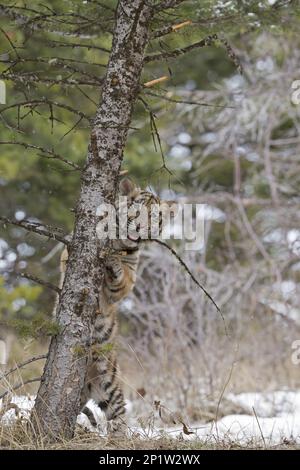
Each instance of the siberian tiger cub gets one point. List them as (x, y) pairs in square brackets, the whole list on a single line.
[(102, 381)]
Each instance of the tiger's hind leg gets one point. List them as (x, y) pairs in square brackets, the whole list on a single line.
[(104, 389), (111, 401), (102, 383)]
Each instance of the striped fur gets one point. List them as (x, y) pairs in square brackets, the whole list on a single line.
[(102, 382)]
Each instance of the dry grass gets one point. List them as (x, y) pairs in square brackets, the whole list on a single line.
[(18, 437), (186, 381), (194, 396), (21, 350)]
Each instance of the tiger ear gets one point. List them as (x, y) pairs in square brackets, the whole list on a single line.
[(126, 187)]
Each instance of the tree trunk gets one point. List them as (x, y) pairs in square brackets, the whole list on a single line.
[(58, 398)]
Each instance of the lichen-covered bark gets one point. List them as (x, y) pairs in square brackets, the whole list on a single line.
[(58, 399)]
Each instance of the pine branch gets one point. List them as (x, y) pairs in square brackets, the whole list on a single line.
[(33, 227), (48, 153), (39, 281)]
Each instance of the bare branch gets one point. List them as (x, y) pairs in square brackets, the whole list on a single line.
[(46, 101), (19, 385), (222, 197), (155, 136), (73, 45), (195, 103), (203, 21), (169, 4), (250, 230), (102, 5), (33, 227), (6, 10), (53, 62), (207, 41), (10, 42), (49, 153), (155, 81), (23, 364), (269, 166), (160, 242), (170, 29), (36, 20), (39, 281), (30, 77)]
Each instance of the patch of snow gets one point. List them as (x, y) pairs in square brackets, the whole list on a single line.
[(269, 404), (246, 428), (277, 419), (23, 405)]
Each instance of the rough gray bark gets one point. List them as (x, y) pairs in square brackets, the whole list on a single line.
[(58, 399)]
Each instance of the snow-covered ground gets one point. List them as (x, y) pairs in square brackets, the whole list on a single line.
[(270, 418)]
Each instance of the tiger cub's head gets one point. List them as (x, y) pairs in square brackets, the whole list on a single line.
[(145, 213)]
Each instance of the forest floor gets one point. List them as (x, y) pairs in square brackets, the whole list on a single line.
[(257, 421), (92, 442)]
